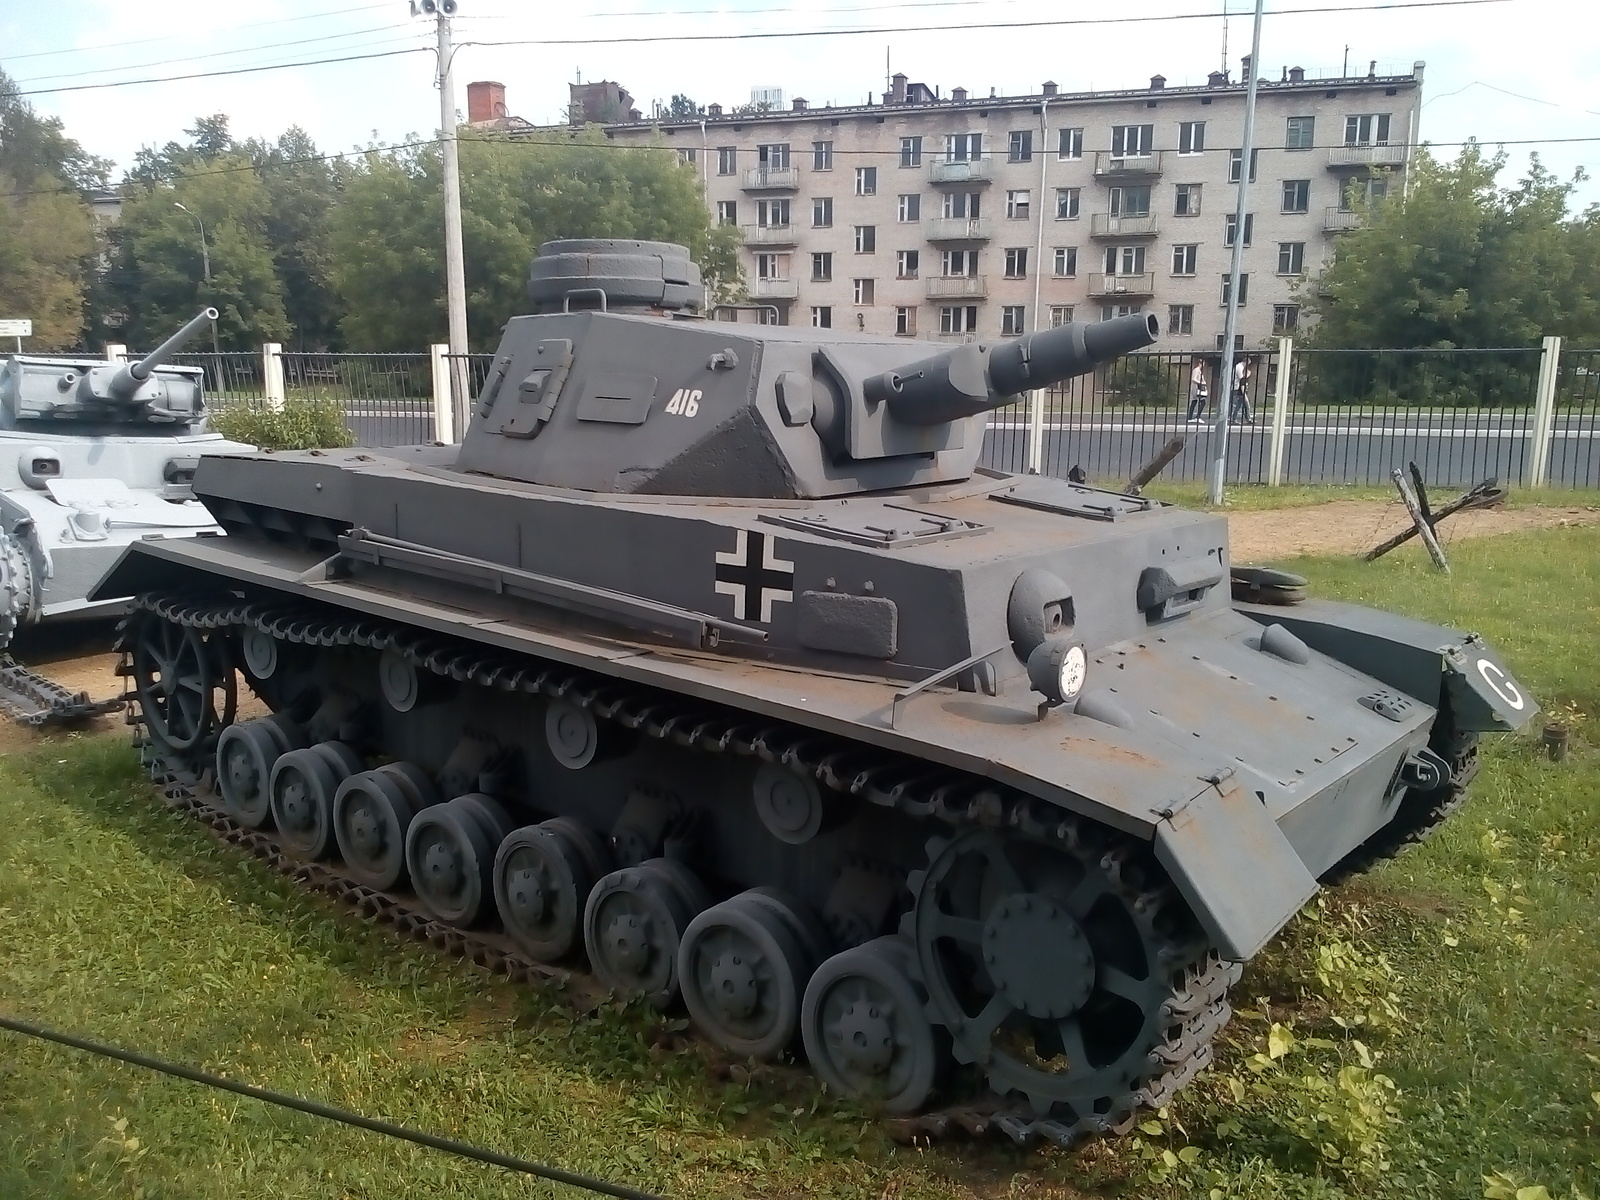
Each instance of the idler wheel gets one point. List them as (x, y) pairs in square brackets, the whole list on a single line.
[(184, 679), (542, 877), (633, 926), (246, 753), (450, 852), (864, 1027), (372, 811), (301, 789), (743, 966)]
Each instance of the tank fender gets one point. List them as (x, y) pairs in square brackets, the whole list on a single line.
[(1203, 844), (1438, 666)]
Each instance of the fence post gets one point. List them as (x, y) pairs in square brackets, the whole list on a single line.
[(116, 352), (1035, 432), (444, 409), (272, 375), (1280, 412), (1544, 413)]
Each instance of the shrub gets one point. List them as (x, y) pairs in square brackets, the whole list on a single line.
[(298, 425)]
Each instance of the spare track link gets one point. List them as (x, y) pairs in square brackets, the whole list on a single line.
[(33, 699), (1198, 1008)]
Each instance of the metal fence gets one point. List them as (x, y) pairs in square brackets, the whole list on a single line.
[(1576, 420)]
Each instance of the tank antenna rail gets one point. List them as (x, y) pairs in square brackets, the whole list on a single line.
[(1194, 1013), (32, 699)]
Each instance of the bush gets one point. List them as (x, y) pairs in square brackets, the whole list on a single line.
[(298, 425)]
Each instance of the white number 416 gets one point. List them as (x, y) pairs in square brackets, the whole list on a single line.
[(684, 403)]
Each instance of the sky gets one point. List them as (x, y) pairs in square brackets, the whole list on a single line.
[(1500, 71)]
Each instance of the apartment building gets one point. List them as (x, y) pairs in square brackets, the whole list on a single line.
[(944, 218)]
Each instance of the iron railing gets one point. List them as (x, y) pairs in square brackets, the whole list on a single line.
[(1576, 423)]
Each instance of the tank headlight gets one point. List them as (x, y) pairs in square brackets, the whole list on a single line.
[(1057, 669)]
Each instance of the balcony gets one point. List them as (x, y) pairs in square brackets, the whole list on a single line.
[(768, 235), (1101, 284), (1112, 166), (958, 287), (1336, 219), (770, 179), (1344, 157), (774, 289), (957, 229), (967, 170), (1105, 225)]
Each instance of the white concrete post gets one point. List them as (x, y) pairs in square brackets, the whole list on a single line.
[(1280, 412), (1544, 413), (116, 352), (444, 409), (1036, 431), (272, 375)]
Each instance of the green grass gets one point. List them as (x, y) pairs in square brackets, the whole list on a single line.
[(1254, 497), (1470, 968)]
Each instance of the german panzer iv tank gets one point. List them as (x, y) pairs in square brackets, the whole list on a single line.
[(710, 654), (93, 455)]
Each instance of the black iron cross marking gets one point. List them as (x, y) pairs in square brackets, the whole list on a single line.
[(754, 576)]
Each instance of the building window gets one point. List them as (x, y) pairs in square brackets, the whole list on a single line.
[(1367, 191), (911, 152), (1124, 260), (1017, 262), (906, 263), (1299, 133), (1235, 157), (1191, 137), (905, 321), (727, 212), (1230, 227), (772, 212), (689, 155), (1066, 262), (959, 264), (1060, 314), (1187, 203), (866, 239), (727, 160), (1132, 141), (1110, 311), (822, 318), (1244, 289), (1238, 342), (958, 318), (769, 316), (822, 267), (1020, 147), (822, 160), (1183, 259), (864, 290), (866, 181), (1013, 320), (1017, 204), (1296, 195), (963, 147), (821, 212), (911, 207), (1291, 258), (961, 204), (772, 266), (1071, 144), (1130, 201), (1285, 318), (1367, 129), (774, 156), (1067, 202), (1180, 319)]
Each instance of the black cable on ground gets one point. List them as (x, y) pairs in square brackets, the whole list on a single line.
[(329, 1113)]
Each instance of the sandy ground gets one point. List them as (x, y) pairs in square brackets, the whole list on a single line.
[(80, 657)]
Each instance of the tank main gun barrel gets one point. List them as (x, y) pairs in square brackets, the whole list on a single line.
[(126, 381), (977, 377)]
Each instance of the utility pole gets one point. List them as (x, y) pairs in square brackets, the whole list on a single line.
[(1224, 388), (205, 271)]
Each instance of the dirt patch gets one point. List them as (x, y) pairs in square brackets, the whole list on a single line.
[(1354, 526)]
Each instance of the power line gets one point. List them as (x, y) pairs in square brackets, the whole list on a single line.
[(318, 62), (328, 1112), (338, 12)]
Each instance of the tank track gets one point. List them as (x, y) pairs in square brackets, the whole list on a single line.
[(1196, 1011), (33, 699)]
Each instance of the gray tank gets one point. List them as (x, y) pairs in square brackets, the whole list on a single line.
[(713, 657), (93, 455)]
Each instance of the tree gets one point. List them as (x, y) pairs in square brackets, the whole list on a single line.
[(301, 189), (680, 107)]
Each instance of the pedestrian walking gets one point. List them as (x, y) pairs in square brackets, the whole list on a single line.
[(1239, 402), (1199, 392)]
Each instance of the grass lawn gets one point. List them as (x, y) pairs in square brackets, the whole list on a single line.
[(1429, 1025), (1252, 497)]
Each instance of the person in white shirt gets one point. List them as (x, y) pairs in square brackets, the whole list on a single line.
[(1199, 392), (1239, 404)]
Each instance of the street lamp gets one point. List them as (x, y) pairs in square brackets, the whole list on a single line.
[(205, 269)]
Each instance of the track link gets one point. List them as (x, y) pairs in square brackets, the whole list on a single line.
[(36, 700), (1196, 1010)]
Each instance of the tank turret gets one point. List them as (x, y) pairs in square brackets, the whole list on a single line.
[(603, 391)]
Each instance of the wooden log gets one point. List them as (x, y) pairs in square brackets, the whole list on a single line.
[(1424, 530), (1483, 495), (1155, 466)]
